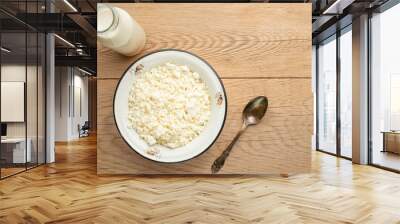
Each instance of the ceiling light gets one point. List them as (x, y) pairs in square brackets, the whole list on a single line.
[(80, 51), (5, 50), (65, 41), (337, 7), (70, 5), (84, 71)]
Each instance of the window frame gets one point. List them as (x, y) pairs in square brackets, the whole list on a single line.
[(338, 34)]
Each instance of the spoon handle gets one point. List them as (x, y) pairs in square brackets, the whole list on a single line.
[(220, 161)]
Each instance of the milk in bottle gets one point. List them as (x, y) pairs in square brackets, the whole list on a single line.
[(117, 30)]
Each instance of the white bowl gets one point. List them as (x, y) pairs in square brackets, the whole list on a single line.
[(218, 107)]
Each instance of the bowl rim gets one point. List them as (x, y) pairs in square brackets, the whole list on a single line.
[(215, 73)]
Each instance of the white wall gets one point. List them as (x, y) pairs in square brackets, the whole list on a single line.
[(13, 101), (79, 117), (16, 73), (62, 82), (33, 127), (69, 82), (13, 72)]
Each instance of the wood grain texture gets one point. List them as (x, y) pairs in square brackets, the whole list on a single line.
[(70, 191), (260, 40), (253, 56), (391, 142), (286, 97), (280, 143)]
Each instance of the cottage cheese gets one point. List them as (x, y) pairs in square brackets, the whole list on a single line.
[(169, 105)]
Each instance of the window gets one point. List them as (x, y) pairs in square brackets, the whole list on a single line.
[(394, 102), (346, 92), (326, 98), (385, 89), (334, 106), (22, 78)]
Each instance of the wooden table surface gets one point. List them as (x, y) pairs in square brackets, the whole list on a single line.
[(257, 49)]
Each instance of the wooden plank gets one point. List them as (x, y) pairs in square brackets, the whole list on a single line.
[(272, 154), (283, 136), (238, 40), (286, 95)]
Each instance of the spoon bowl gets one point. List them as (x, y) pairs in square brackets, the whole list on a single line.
[(255, 110)]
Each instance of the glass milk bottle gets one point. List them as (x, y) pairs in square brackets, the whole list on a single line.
[(117, 30)]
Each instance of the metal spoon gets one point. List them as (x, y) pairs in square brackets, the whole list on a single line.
[(252, 115)]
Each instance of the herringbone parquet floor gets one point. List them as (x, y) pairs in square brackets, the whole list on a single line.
[(69, 191)]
